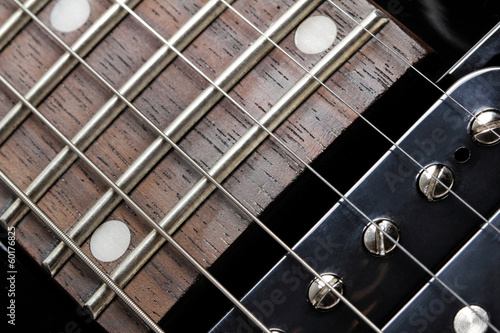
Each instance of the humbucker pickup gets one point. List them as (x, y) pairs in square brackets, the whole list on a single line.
[(473, 273), (432, 203)]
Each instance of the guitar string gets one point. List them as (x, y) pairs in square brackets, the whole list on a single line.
[(152, 30), (384, 135), (78, 251), (136, 208), (467, 205), (343, 101), (381, 132), (309, 167), (408, 63), (18, 20), (167, 44)]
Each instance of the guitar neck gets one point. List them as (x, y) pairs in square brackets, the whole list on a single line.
[(72, 96)]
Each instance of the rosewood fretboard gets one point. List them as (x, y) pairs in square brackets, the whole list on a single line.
[(266, 174)]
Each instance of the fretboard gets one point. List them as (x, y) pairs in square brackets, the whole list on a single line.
[(261, 182)]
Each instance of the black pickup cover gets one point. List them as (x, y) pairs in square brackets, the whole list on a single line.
[(431, 231)]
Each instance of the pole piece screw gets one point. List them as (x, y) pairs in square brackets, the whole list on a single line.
[(468, 321), (485, 128), (321, 296), (377, 242), (435, 181)]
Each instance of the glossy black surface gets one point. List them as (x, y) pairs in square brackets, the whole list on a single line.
[(481, 55), (451, 27), (431, 231), (473, 273)]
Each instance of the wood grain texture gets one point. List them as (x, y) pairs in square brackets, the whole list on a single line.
[(264, 175)]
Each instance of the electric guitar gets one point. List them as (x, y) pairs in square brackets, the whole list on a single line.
[(269, 183)]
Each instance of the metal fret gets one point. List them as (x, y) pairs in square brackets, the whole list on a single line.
[(181, 125), (188, 158), (134, 206), (78, 251), (329, 185), (236, 154), (59, 233), (105, 116), (292, 153), (62, 67), (18, 20)]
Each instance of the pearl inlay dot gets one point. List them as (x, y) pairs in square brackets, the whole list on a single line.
[(110, 241), (315, 35), (69, 15)]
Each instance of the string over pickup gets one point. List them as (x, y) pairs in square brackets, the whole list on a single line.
[(430, 230), (240, 150)]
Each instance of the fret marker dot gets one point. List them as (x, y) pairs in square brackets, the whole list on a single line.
[(315, 35), (110, 241), (69, 15)]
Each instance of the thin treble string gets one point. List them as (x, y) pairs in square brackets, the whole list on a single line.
[(408, 63), (343, 101), (385, 136), (197, 166), (74, 247), (136, 208), (467, 205), (419, 263)]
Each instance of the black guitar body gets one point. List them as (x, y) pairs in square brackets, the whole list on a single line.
[(429, 230), (450, 27)]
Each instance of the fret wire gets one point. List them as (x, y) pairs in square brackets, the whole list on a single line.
[(152, 30), (415, 260), (137, 210), (178, 127), (418, 262), (110, 110), (343, 101), (232, 157), (407, 62), (62, 67), (103, 276), (18, 20)]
